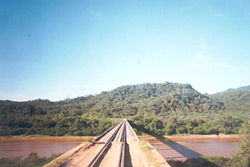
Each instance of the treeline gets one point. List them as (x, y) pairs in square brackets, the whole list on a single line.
[(75, 126), (225, 124), (234, 101), (168, 108), (78, 126)]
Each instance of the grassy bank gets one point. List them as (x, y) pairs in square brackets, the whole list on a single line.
[(152, 155), (211, 161), (33, 160)]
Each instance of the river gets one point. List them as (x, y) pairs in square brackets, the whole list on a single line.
[(179, 148), (44, 146)]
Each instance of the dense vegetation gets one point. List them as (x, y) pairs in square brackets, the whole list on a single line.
[(33, 160), (237, 101), (168, 108)]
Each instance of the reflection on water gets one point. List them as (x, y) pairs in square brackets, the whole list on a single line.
[(44, 147), (181, 148)]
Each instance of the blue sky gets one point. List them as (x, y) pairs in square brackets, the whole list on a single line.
[(57, 49)]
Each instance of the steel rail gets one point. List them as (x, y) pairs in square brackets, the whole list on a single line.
[(124, 142), (105, 132), (121, 161), (103, 149)]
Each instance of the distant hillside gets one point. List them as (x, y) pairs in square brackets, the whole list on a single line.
[(148, 99), (123, 101), (166, 108), (242, 88), (237, 100)]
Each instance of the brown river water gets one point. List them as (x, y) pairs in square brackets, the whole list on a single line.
[(181, 148), (12, 147), (178, 148)]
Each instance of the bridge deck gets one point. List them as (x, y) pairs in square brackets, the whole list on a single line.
[(118, 147)]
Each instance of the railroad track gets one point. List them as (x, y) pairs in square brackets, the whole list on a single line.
[(97, 159), (109, 148), (116, 147), (122, 161)]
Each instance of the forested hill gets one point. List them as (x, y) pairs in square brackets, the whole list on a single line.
[(235, 100), (147, 99), (242, 88), (168, 106)]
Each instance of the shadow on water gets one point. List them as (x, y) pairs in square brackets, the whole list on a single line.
[(193, 162), (184, 151), (194, 159)]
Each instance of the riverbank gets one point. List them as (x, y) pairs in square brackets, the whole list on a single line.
[(83, 137), (89, 138), (232, 136), (38, 137)]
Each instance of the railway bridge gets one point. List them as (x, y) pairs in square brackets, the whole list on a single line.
[(119, 146)]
